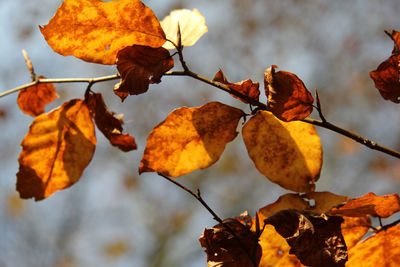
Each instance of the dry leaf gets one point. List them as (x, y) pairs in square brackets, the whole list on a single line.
[(247, 87), (322, 234), (192, 26), (56, 150), (381, 249), (224, 250), (109, 124), (354, 229), (386, 79), (139, 66), (288, 97), (370, 204), (95, 31), (287, 153), (32, 100), (190, 139)]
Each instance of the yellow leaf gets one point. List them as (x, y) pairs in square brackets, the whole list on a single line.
[(324, 201), (190, 139), (192, 25), (95, 31), (287, 153), (354, 229), (56, 150), (381, 249)]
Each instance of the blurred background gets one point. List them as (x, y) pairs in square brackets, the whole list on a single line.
[(112, 216)]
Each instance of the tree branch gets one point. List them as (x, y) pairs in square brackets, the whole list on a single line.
[(215, 216)]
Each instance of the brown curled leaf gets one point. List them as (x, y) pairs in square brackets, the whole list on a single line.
[(246, 87), (139, 66), (386, 78), (56, 150), (94, 30), (109, 124), (32, 100), (288, 97)]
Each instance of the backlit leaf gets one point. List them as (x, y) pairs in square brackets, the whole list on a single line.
[(324, 201), (322, 234), (56, 150), (247, 87), (109, 124), (288, 97), (370, 204), (223, 249), (354, 229), (190, 139), (139, 66), (380, 249), (192, 25), (287, 153), (32, 100), (95, 31)]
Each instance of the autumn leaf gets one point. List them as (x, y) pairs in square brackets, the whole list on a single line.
[(354, 229), (109, 124), (192, 26), (190, 139), (223, 249), (95, 31), (288, 97), (370, 204), (247, 87), (322, 234), (380, 249), (56, 150), (287, 153), (33, 99), (139, 66)]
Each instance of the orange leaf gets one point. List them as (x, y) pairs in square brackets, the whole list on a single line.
[(139, 66), (324, 201), (190, 139), (370, 204), (381, 249), (354, 229), (287, 153), (192, 25), (32, 100), (95, 31), (56, 150), (386, 79), (247, 87), (288, 97), (108, 124), (223, 249)]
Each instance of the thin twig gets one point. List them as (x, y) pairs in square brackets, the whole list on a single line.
[(197, 195), (62, 80)]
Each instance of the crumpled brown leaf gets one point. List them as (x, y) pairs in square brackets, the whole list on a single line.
[(315, 239), (224, 250), (109, 124), (139, 66), (288, 97), (32, 100), (386, 76), (246, 87)]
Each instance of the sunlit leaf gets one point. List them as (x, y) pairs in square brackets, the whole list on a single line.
[(381, 249), (370, 204), (354, 229), (223, 249), (32, 100), (95, 31), (324, 201), (190, 139), (192, 26), (109, 124), (288, 97), (287, 153), (322, 234), (247, 87), (56, 150), (139, 66)]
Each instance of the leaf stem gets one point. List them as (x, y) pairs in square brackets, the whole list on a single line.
[(197, 196), (62, 80)]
